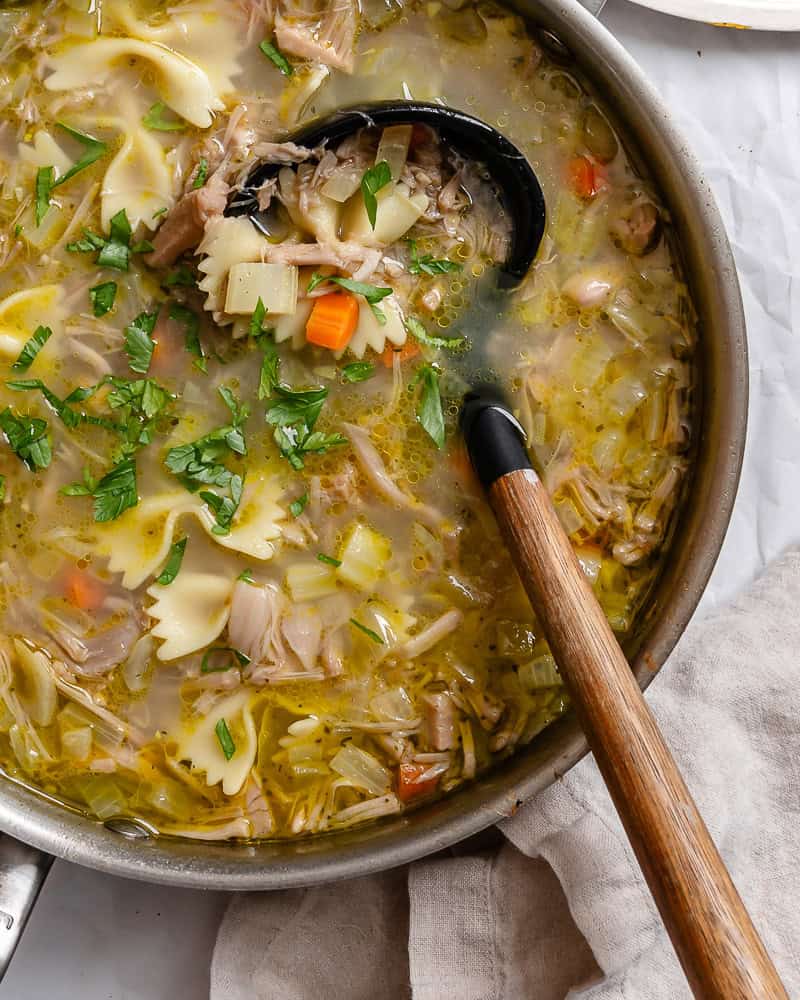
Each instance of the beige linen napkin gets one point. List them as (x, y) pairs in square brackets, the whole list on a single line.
[(561, 907)]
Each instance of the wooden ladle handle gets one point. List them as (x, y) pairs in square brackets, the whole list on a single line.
[(717, 944)]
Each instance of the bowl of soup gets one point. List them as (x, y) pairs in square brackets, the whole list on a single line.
[(257, 624)]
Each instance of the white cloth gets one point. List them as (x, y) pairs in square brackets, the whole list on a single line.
[(494, 926)]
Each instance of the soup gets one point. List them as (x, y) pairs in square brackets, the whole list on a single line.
[(249, 586)]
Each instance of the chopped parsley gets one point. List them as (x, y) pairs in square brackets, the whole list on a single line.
[(202, 174), (139, 343), (225, 739), (102, 297), (293, 413), (181, 276), (173, 563), (428, 264), (276, 57), (429, 403), (358, 371), (367, 631), (113, 494), (296, 507), (154, 119), (246, 576), (270, 364), (233, 658), (372, 293), (191, 324), (28, 353), (94, 149), (160, 211), (418, 332), (28, 438), (114, 252), (328, 560), (374, 179), (42, 188)]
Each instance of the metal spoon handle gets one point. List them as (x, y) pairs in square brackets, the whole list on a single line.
[(713, 935)]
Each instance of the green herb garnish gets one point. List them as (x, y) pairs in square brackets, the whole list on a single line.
[(329, 560), (116, 491), (246, 576), (236, 658), (28, 353), (372, 293), (139, 343), (358, 371), (182, 276), (42, 188), (225, 739), (202, 174), (94, 150), (374, 179), (428, 264), (368, 632), (173, 564), (115, 251), (225, 508), (429, 403), (27, 437), (102, 297), (191, 324), (275, 56), (296, 507), (418, 332), (293, 413), (154, 119), (270, 364)]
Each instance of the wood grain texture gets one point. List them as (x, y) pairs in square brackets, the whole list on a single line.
[(713, 935)]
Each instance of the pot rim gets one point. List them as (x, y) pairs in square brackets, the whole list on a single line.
[(49, 826)]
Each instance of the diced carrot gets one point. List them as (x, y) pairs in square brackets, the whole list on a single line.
[(580, 173), (408, 785), (409, 350), (83, 590), (333, 320)]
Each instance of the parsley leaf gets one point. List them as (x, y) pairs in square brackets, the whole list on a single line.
[(42, 189), (90, 242), (116, 491), (102, 297), (225, 508), (418, 332), (115, 252), (84, 489), (429, 404), (293, 413), (191, 325), (328, 560), (181, 276), (428, 264), (374, 179), (296, 507), (28, 353), (94, 150), (225, 739), (372, 293), (367, 631), (270, 364), (274, 54), (237, 657), (70, 417), (358, 371), (173, 563), (139, 344), (28, 438), (202, 174), (246, 576), (154, 119)]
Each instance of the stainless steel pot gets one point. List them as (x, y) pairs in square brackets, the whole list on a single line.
[(52, 830)]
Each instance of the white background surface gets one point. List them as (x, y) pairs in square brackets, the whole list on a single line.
[(736, 96)]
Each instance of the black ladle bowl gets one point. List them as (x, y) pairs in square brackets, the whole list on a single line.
[(516, 183)]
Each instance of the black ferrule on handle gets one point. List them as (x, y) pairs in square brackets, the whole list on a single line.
[(494, 438)]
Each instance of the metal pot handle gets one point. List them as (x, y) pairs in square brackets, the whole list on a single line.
[(23, 870)]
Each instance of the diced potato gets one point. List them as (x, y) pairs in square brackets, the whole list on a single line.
[(274, 284), (397, 213), (363, 557), (310, 581), (343, 184)]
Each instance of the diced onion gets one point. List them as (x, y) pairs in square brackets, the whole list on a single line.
[(343, 184), (539, 673), (310, 581), (362, 769), (393, 148)]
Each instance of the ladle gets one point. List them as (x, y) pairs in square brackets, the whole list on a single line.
[(720, 950)]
